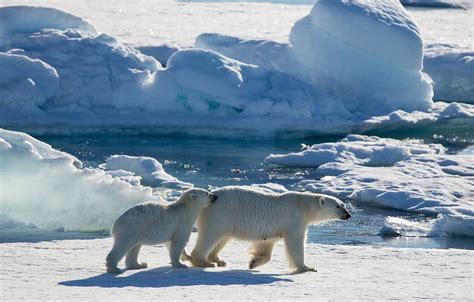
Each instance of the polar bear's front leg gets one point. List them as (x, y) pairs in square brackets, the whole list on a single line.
[(205, 244), (261, 252), (131, 260), (176, 246), (295, 248)]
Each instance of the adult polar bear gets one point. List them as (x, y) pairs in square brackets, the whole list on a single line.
[(263, 218)]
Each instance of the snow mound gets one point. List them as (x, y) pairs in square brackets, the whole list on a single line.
[(148, 169), (26, 82), (452, 69), (50, 189), (403, 175), (28, 20), (368, 53), (161, 52), (356, 149)]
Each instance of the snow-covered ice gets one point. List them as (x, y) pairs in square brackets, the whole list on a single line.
[(106, 86), (404, 175), (148, 169), (75, 270), (369, 54), (50, 189), (356, 149)]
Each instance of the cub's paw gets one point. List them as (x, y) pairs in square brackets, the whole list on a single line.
[(179, 265), (137, 266), (114, 270)]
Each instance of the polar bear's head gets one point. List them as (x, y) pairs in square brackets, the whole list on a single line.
[(331, 208), (199, 197)]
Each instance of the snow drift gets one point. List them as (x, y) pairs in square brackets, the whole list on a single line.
[(404, 175), (51, 189)]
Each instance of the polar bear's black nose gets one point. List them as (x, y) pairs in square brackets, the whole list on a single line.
[(347, 216), (213, 197)]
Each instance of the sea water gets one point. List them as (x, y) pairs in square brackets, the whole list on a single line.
[(210, 163)]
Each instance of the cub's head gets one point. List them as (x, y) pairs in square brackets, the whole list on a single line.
[(331, 208), (199, 197)]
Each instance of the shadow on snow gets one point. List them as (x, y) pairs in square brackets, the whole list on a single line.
[(167, 277)]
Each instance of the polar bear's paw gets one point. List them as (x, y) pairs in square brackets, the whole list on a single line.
[(137, 266), (114, 270), (258, 261), (305, 269), (221, 263), (202, 263), (179, 265)]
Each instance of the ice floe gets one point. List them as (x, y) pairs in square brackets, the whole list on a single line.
[(404, 175)]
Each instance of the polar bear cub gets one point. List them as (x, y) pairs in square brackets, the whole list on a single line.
[(152, 223), (263, 218)]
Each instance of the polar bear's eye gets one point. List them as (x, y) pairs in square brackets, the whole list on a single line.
[(338, 207)]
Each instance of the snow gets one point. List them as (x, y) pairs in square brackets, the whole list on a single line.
[(356, 149), (160, 52), (50, 189), (75, 269), (452, 69), (404, 175), (438, 3), (22, 20), (27, 82), (105, 86), (376, 72), (148, 169)]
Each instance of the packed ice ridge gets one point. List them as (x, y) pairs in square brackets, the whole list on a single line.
[(89, 82), (405, 175)]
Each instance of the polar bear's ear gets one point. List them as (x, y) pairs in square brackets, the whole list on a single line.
[(321, 201), (193, 195)]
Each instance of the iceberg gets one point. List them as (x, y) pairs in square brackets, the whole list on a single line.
[(403, 175)]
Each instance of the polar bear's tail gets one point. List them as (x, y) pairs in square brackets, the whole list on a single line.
[(185, 256)]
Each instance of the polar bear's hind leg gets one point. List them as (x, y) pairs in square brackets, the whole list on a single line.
[(131, 260), (214, 255)]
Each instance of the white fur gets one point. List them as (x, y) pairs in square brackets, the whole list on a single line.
[(262, 218), (152, 223)]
